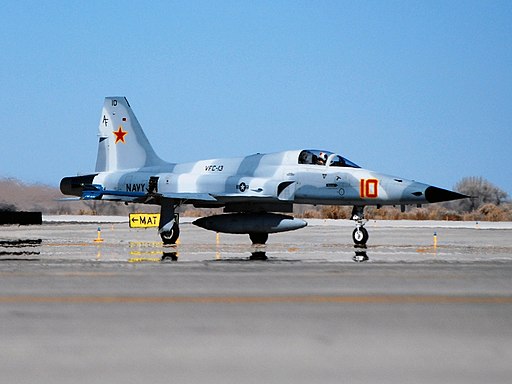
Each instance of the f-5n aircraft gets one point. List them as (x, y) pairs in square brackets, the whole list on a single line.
[(254, 191)]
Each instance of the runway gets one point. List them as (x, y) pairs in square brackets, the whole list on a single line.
[(129, 310)]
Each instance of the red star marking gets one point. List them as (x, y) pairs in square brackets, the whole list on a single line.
[(120, 134)]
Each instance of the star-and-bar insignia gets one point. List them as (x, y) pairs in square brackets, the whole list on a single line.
[(120, 134)]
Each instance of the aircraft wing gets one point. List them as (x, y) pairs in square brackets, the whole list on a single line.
[(205, 197), (245, 198), (239, 197)]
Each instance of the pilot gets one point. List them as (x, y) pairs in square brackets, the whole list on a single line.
[(322, 158)]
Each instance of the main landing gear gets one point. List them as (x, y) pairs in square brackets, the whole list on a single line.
[(258, 243), (360, 234), (171, 236), (168, 227)]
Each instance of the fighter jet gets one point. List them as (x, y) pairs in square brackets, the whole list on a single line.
[(254, 191)]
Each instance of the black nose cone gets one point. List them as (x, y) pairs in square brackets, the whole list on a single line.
[(436, 195)]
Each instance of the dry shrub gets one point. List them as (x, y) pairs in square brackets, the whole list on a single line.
[(435, 212), (191, 213), (86, 212), (492, 213), (385, 213), (420, 214), (451, 216), (427, 213), (472, 216), (311, 214), (335, 212), (488, 212)]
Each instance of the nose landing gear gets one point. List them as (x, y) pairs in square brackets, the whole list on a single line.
[(360, 234)]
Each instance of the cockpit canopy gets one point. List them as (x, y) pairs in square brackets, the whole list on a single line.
[(320, 157)]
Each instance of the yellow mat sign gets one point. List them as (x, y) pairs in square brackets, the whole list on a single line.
[(144, 220)]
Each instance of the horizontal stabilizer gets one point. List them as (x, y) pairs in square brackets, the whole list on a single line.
[(96, 192)]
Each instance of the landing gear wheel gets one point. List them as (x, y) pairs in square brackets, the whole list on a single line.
[(258, 238), (170, 237), (360, 236), (259, 256), (360, 257)]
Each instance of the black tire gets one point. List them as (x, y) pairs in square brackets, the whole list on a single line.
[(360, 236), (171, 236), (258, 238)]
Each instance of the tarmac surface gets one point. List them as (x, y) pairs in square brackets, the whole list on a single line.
[(128, 310)]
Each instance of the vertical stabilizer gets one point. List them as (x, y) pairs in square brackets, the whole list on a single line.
[(122, 142)]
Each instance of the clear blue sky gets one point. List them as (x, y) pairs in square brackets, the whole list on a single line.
[(422, 90)]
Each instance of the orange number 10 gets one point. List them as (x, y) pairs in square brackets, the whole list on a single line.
[(368, 188)]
